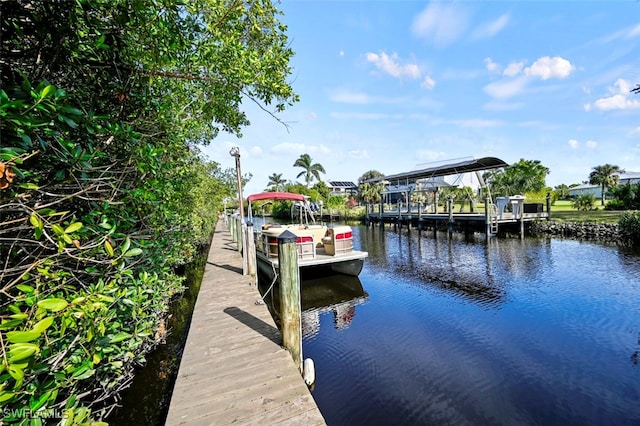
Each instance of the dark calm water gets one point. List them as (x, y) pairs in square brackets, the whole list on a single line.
[(440, 331)]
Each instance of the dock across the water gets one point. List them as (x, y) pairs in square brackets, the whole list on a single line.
[(489, 220), (233, 369)]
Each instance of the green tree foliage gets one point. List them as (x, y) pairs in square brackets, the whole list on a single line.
[(276, 183), (103, 191), (562, 191), (370, 192), (518, 178), (607, 176), (323, 190), (310, 169)]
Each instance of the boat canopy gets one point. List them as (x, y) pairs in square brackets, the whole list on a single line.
[(463, 166), (275, 196)]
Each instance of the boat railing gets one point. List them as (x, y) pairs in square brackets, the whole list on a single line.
[(267, 243)]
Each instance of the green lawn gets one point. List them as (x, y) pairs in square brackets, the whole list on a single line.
[(562, 210)]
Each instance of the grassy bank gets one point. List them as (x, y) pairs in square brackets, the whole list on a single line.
[(563, 211)]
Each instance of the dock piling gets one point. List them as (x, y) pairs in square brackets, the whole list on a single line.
[(290, 309), (251, 254)]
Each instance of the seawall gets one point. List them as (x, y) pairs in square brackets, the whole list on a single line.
[(582, 230)]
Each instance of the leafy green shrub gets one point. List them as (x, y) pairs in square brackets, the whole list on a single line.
[(584, 202), (629, 227), (627, 197), (615, 204)]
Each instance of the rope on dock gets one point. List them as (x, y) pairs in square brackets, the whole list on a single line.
[(275, 278)]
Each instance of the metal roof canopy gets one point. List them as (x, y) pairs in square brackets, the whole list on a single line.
[(463, 166)]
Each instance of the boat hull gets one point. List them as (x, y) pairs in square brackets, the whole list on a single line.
[(350, 264)]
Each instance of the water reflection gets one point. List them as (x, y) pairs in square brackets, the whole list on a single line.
[(338, 294), (335, 293), (457, 331), (456, 263)]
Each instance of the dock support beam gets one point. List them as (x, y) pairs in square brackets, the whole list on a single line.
[(290, 309)]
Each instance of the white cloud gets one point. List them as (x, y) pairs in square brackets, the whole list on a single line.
[(592, 144), (573, 143), (633, 32), (624, 34), (441, 23), (619, 99), (491, 66), (616, 102), (547, 67), (391, 65), (347, 97), (341, 53), (513, 69), (358, 154), (255, 151), (506, 89), (492, 28), (543, 68), (428, 83)]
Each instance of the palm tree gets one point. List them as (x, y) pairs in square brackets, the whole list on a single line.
[(562, 191), (606, 176), (370, 192), (276, 182), (310, 171)]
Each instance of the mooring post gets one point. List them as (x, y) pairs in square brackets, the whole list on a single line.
[(487, 217), (232, 231), (548, 206), (366, 214), (250, 253), (450, 208), (239, 234), (290, 310)]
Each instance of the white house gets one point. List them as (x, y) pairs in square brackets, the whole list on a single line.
[(586, 188)]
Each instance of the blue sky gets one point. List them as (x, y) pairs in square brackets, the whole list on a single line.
[(393, 85)]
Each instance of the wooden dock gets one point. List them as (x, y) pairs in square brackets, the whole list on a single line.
[(233, 369), (469, 222)]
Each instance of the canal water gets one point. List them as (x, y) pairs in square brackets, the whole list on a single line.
[(455, 331)]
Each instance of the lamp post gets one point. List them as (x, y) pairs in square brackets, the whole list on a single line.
[(242, 243), (235, 152)]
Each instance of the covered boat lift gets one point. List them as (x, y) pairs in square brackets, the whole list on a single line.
[(431, 178)]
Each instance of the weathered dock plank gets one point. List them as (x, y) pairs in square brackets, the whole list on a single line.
[(233, 369)]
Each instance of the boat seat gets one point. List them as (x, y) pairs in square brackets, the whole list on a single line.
[(271, 225)]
